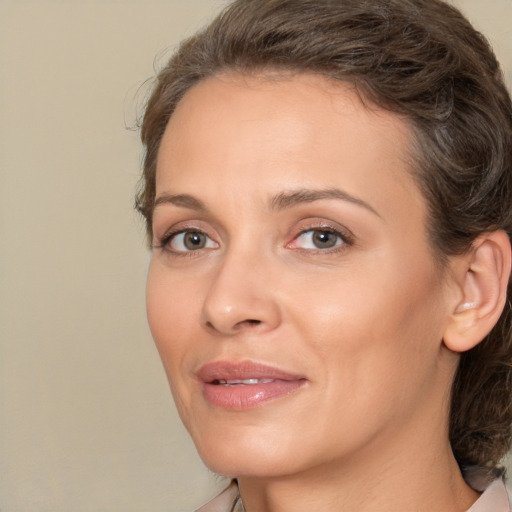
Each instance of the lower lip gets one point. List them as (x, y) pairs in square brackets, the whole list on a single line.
[(247, 396)]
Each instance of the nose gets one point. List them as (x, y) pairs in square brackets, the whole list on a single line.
[(241, 297)]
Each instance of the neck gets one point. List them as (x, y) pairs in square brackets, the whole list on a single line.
[(410, 467), (385, 484)]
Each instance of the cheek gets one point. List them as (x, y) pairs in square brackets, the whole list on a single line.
[(378, 316), (172, 310), (172, 316), (373, 348)]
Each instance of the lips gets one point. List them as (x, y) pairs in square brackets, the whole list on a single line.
[(245, 385), (245, 382)]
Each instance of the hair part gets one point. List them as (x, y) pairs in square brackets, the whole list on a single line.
[(420, 59)]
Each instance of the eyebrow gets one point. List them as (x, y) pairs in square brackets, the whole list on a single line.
[(290, 199), (183, 200), (281, 201)]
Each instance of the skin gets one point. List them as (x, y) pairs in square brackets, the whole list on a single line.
[(362, 322)]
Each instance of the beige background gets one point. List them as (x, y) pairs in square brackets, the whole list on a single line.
[(86, 421)]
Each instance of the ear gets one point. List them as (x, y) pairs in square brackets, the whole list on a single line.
[(482, 276)]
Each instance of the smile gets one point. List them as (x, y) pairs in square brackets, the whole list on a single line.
[(245, 385), (236, 382)]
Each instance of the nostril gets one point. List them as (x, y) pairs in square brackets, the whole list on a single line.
[(251, 322)]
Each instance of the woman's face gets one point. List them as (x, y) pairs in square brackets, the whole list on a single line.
[(292, 292)]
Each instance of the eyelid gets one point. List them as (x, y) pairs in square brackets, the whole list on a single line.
[(346, 236), (163, 242)]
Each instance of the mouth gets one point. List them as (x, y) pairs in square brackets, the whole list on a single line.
[(244, 382), (246, 385)]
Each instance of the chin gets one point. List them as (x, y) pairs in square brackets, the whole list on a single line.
[(248, 466), (245, 456)]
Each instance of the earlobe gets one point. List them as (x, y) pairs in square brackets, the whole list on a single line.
[(483, 281)]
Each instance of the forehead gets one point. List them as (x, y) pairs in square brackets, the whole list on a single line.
[(276, 130)]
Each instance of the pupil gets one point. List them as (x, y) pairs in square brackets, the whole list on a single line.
[(324, 239), (194, 241)]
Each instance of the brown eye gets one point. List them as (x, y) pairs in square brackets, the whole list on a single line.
[(319, 239), (191, 241), (194, 241), (324, 239)]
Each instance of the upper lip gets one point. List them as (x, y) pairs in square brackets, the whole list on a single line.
[(227, 370)]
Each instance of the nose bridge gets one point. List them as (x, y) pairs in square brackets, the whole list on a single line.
[(240, 296)]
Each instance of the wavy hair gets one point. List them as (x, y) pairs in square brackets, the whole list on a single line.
[(424, 61)]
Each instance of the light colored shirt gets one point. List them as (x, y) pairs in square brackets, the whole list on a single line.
[(493, 499)]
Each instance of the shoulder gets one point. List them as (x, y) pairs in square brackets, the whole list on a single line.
[(494, 497), (226, 501)]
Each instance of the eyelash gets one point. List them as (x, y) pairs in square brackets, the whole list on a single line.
[(346, 240), (165, 242)]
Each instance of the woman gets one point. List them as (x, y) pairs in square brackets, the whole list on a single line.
[(328, 195)]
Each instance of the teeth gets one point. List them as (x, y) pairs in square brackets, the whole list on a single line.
[(250, 381), (236, 382)]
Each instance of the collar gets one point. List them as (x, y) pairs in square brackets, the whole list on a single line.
[(493, 499)]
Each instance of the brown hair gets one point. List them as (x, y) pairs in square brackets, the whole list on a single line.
[(423, 60)]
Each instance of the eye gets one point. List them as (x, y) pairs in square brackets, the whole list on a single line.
[(186, 241), (319, 239)]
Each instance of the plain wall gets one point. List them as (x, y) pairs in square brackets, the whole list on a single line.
[(86, 420)]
